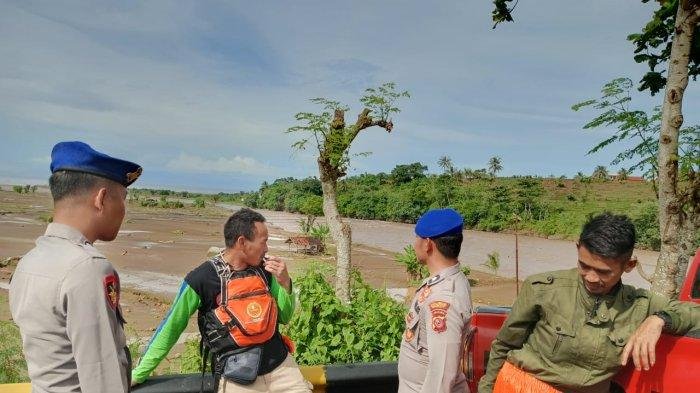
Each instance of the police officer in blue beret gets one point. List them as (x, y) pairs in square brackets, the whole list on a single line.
[(430, 359), (64, 294)]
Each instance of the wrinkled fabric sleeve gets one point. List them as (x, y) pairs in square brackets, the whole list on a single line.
[(186, 302), (444, 347), (286, 301), (685, 316), (514, 333), (94, 329)]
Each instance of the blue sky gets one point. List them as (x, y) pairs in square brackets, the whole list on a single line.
[(200, 93)]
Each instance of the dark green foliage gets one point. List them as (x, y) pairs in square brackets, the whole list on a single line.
[(405, 173), (328, 331), (501, 12), (641, 128), (297, 196), (646, 222), (653, 46)]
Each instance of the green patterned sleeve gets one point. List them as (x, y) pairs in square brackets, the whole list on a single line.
[(186, 303), (285, 301)]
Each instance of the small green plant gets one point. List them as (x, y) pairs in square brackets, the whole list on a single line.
[(415, 270), (306, 223), (493, 262), (46, 217), (18, 189), (320, 232), (199, 203)]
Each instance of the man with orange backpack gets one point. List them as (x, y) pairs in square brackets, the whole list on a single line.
[(241, 296)]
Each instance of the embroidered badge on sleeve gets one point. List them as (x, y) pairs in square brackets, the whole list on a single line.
[(111, 284), (438, 310)]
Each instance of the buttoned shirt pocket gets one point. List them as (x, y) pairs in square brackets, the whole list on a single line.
[(619, 337), (561, 336)]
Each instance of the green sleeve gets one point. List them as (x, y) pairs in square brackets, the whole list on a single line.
[(515, 331), (285, 301), (685, 316), (186, 303)]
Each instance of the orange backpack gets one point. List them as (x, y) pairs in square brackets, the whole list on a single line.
[(247, 310)]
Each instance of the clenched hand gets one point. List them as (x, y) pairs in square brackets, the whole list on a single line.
[(278, 268)]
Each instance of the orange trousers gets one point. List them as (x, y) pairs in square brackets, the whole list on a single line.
[(514, 380)]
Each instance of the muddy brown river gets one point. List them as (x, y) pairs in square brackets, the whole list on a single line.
[(536, 254)]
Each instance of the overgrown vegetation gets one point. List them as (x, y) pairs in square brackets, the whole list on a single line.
[(555, 207), (327, 330)]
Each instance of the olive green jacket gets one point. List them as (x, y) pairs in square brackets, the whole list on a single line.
[(564, 336)]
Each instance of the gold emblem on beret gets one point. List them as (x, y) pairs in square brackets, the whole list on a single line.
[(132, 176)]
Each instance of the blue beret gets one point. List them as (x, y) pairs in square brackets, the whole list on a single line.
[(439, 222), (80, 157)]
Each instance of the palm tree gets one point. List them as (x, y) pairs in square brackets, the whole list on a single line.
[(445, 163), (600, 173), (495, 165), (622, 174)]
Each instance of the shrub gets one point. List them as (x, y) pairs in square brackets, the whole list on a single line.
[(327, 331), (646, 222), (199, 203)]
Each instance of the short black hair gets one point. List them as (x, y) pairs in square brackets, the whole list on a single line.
[(65, 184), (241, 223), (450, 245), (609, 236)]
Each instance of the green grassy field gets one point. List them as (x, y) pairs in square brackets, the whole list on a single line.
[(12, 365)]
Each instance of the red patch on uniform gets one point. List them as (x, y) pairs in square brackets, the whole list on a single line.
[(438, 310), (408, 335), (409, 317), (424, 294), (111, 284)]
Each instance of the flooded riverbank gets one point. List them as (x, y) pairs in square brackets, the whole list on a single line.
[(536, 254)]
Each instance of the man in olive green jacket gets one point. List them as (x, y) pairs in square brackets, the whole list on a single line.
[(574, 329)]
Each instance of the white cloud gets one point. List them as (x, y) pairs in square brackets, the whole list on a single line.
[(236, 164)]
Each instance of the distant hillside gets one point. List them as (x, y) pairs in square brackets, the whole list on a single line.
[(550, 207)]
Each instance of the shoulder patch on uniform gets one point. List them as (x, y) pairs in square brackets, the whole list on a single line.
[(424, 294), (438, 310), (111, 284)]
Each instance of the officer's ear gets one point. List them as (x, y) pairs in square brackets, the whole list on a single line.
[(631, 264), (98, 198)]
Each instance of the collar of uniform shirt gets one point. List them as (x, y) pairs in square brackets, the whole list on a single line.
[(67, 232)]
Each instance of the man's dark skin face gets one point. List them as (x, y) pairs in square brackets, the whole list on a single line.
[(600, 274)]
